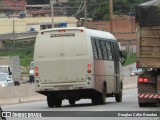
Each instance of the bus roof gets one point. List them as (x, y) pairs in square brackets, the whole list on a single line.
[(91, 32)]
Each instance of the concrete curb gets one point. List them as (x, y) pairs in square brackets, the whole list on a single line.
[(7, 101)]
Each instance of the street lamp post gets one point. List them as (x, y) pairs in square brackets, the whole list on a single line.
[(52, 2)]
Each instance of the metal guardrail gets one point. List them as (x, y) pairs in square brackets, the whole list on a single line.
[(18, 36)]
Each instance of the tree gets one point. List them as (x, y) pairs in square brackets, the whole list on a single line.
[(99, 9), (102, 11), (120, 7)]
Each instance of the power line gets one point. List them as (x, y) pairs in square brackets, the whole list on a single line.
[(80, 8)]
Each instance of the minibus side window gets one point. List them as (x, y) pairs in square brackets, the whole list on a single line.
[(94, 49), (99, 49), (104, 50), (117, 49), (108, 44)]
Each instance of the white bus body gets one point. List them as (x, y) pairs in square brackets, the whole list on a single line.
[(75, 63)]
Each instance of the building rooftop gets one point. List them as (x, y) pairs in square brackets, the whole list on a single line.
[(13, 5)]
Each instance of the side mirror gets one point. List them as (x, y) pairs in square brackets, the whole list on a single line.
[(123, 55)]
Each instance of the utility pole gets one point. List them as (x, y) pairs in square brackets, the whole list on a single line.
[(52, 2), (14, 40), (13, 26), (111, 15), (85, 12)]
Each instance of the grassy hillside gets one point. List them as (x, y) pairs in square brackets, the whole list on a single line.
[(25, 51), (131, 58), (25, 54)]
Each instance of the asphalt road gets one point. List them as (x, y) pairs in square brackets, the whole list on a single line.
[(126, 70), (88, 111)]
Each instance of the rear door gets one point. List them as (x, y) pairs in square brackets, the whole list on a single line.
[(62, 56)]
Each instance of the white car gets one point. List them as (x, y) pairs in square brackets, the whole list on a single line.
[(136, 71), (6, 80)]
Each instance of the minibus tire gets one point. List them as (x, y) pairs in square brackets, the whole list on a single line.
[(118, 96), (102, 96), (50, 101), (95, 100), (58, 102), (72, 102)]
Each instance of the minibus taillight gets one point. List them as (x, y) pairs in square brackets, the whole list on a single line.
[(36, 68), (89, 68), (143, 80), (36, 71), (89, 65), (62, 31), (89, 71)]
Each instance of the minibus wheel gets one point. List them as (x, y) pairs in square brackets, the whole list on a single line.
[(118, 96), (102, 96), (50, 101), (72, 101), (94, 100), (58, 102)]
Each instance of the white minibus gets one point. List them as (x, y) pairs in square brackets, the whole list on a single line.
[(77, 63)]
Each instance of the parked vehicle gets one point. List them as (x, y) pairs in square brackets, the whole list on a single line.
[(148, 55), (6, 80), (75, 63), (11, 66), (136, 71), (31, 72)]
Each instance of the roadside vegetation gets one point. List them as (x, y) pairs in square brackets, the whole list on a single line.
[(23, 49), (97, 9), (26, 56), (131, 58)]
